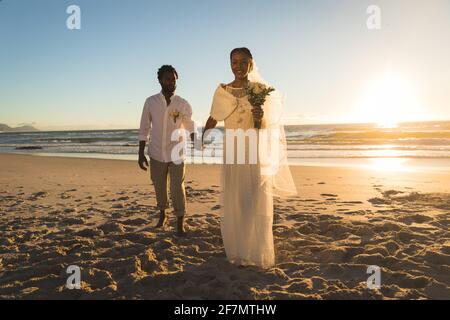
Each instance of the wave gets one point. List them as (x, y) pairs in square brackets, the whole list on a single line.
[(367, 148), (365, 135), (372, 157), (83, 140)]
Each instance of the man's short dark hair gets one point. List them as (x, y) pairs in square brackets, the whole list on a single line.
[(166, 68)]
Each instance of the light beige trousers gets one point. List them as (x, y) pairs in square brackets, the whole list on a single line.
[(160, 173)]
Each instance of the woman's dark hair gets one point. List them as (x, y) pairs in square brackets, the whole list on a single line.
[(243, 50), (166, 68)]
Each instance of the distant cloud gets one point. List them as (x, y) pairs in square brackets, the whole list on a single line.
[(26, 123)]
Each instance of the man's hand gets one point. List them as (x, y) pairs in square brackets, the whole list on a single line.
[(142, 160)]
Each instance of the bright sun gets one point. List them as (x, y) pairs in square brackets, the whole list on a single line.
[(387, 101)]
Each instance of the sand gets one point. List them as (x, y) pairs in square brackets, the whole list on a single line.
[(98, 215)]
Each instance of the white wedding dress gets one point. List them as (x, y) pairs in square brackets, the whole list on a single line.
[(247, 204), (248, 189)]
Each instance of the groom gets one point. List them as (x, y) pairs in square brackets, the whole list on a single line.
[(162, 114)]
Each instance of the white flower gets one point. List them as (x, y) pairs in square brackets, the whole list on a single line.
[(257, 87)]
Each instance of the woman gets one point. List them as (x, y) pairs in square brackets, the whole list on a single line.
[(248, 187)]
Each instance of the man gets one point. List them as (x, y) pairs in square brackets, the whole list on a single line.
[(163, 114)]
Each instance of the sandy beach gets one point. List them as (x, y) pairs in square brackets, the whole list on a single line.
[(98, 215)]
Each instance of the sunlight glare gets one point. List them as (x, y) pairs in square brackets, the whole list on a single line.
[(388, 101)]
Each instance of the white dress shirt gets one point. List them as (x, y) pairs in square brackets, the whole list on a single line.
[(160, 119)]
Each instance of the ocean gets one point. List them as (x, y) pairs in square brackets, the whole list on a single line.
[(427, 143)]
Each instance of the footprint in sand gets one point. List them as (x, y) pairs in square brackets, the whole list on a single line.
[(112, 227), (379, 201), (164, 244), (390, 193), (135, 222), (72, 221), (116, 215), (38, 195), (355, 213), (90, 233), (328, 195), (416, 218)]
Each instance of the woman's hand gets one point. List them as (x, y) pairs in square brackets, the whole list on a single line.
[(258, 113)]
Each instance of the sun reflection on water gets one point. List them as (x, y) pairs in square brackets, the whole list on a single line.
[(389, 164), (387, 160)]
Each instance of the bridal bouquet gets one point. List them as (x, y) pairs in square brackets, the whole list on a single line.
[(257, 93)]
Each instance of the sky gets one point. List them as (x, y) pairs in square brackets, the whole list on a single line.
[(320, 54)]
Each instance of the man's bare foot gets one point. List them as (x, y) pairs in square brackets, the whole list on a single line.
[(162, 219), (181, 232)]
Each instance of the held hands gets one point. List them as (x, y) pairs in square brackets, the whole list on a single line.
[(143, 160), (204, 142), (197, 144)]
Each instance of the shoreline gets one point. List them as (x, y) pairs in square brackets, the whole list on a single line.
[(391, 164)]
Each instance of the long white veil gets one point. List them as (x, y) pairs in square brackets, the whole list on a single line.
[(272, 144)]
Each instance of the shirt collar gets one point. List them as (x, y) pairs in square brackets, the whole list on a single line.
[(164, 97)]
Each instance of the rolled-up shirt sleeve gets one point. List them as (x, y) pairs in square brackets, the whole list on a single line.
[(187, 122), (146, 123)]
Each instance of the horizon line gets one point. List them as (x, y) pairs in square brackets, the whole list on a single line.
[(286, 125)]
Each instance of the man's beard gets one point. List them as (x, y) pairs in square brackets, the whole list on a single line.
[(169, 90)]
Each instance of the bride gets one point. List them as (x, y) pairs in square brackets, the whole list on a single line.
[(248, 186)]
